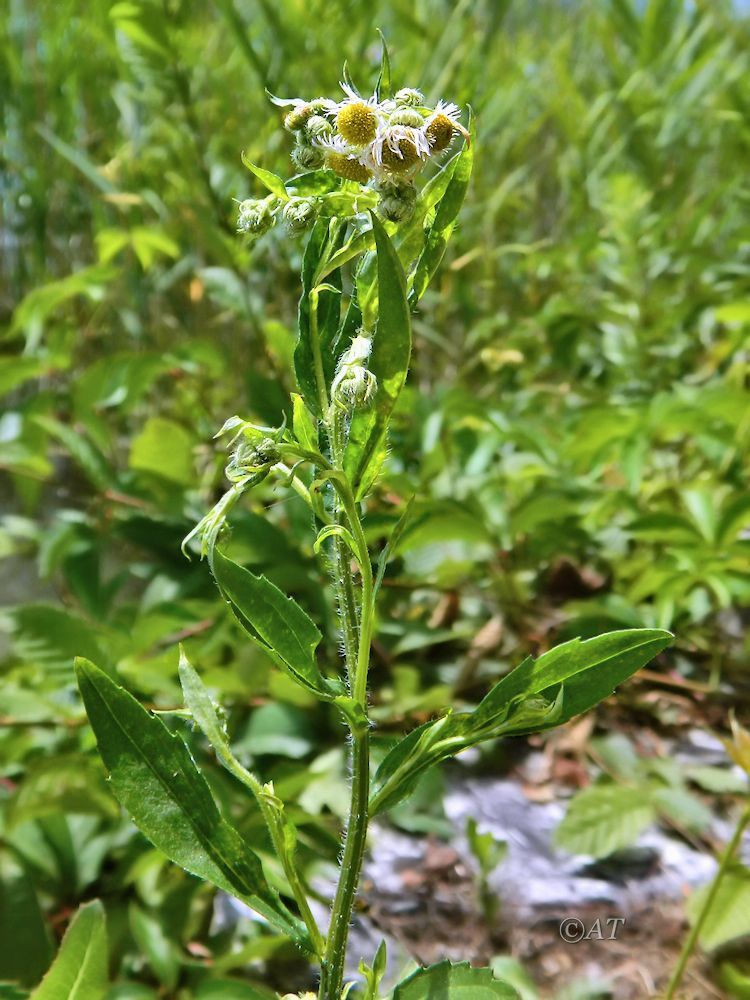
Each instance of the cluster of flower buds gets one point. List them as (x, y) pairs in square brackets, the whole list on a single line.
[(256, 451), (354, 385), (368, 140), (257, 216)]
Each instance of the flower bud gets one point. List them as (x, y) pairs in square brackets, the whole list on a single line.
[(354, 386), (356, 389), (397, 201), (255, 216), (307, 157), (406, 116), (409, 97), (297, 117), (318, 127), (299, 213)]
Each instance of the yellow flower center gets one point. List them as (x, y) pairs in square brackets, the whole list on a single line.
[(357, 123), (352, 170), (440, 133), (399, 164)]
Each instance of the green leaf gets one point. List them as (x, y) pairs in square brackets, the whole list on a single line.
[(303, 425), (269, 180), (275, 622), (605, 818), (440, 231), (445, 981), (26, 947), (79, 972), (389, 362), (590, 671), (729, 916), (156, 780), (318, 319), (537, 695), (165, 449)]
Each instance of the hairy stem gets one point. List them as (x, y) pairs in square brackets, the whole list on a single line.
[(692, 938), (358, 637)]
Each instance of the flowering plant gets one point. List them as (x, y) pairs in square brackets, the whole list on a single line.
[(360, 161)]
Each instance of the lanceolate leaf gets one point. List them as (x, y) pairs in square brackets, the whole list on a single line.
[(590, 670), (445, 981), (389, 362), (537, 695), (269, 180), (443, 223), (275, 622), (79, 972), (156, 780), (314, 361)]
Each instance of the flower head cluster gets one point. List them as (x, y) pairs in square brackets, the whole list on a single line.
[(380, 143)]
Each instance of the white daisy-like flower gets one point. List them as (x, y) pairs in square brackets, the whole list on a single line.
[(357, 118), (447, 109), (399, 147), (343, 159), (441, 126), (352, 97)]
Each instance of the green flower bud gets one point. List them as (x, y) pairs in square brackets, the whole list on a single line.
[(299, 213), (255, 216), (406, 116), (409, 97), (356, 389), (318, 127), (397, 201), (307, 157), (354, 386), (297, 117)]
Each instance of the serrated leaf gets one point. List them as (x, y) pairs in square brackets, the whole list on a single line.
[(156, 780), (389, 362), (275, 622), (79, 972), (605, 818), (446, 981)]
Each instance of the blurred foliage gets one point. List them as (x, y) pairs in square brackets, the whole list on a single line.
[(575, 427)]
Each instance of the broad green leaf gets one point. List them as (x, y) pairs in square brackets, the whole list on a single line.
[(275, 622), (156, 780), (165, 449), (439, 233), (605, 818), (318, 319), (446, 981), (269, 180), (729, 916), (79, 972), (389, 362)]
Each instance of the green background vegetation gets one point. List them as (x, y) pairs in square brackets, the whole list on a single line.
[(575, 427)]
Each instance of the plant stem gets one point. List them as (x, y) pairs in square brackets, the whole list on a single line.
[(332, 972), (358, 660), (692, 938)]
